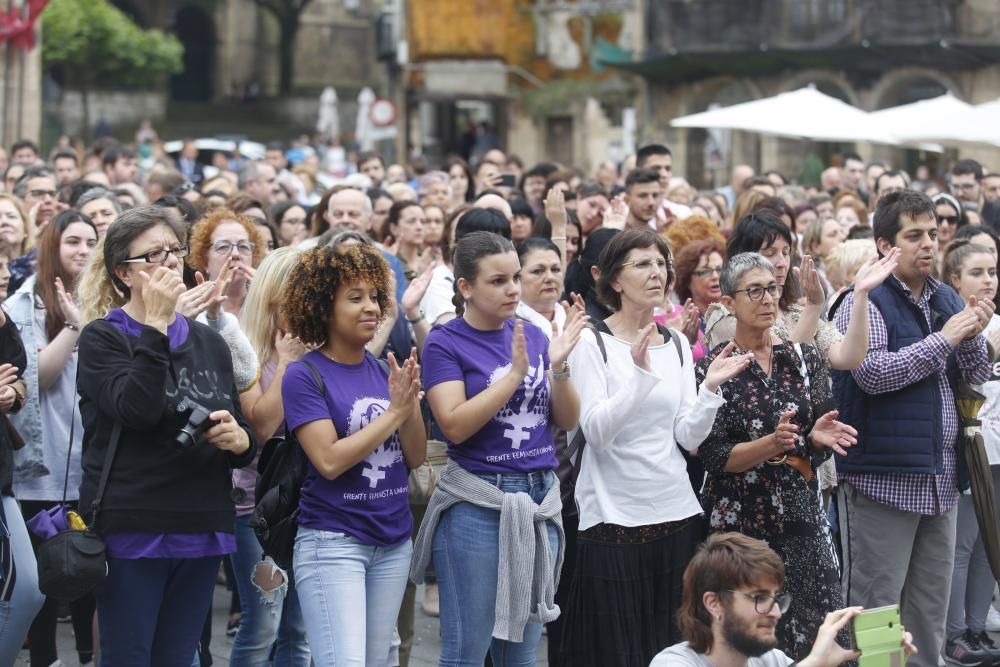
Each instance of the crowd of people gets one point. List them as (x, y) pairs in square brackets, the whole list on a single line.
[(658, 423)]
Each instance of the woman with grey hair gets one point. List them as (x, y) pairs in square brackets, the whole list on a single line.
[(776, 426), (101, 206)]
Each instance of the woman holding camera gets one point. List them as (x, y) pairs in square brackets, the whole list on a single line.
[(167, 514)]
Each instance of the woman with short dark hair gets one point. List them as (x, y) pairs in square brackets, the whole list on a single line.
[(638, 513)]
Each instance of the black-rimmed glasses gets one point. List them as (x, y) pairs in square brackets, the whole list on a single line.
[(768, 602), (757, 293), (158, 256)]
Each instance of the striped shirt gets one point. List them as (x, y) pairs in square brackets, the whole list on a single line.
[(883, 371)]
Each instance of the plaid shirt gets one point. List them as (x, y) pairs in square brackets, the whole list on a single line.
[(883, 371)]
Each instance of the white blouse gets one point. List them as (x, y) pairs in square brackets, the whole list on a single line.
[(632, 473)]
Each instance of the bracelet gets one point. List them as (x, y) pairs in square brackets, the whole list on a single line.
[(71, 326), (416, 320), (563, 374)]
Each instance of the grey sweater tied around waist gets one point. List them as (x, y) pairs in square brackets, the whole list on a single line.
[(524, 547)]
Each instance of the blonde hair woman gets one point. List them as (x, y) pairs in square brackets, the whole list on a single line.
[(269, 608)]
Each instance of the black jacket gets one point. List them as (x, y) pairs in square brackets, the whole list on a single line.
[(155, 485), (11, 352)]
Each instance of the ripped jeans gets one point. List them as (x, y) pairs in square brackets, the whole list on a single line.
[(264, 618)]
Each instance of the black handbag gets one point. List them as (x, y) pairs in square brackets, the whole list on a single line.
[(73, 563)]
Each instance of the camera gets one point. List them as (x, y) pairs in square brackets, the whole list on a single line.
[(191, 420)]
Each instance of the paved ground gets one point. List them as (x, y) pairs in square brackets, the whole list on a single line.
[(426, 647)]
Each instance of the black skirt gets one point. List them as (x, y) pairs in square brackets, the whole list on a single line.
[(625, 593)]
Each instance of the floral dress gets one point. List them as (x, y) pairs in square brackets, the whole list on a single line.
[(775, 503)]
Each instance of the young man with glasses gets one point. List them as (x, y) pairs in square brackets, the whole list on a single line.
[(965, 179), (899, 488), (730, 608)]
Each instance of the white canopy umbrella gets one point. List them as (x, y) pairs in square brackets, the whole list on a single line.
[(363, 123), (924, 121), (802, 114), (977, 126)]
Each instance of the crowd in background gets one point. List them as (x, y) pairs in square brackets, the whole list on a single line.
[(597, 370)]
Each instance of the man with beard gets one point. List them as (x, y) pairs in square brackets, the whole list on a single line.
[(730, 607)]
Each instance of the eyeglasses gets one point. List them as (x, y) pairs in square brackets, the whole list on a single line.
[(40, 194), (158, 256), (701, 273), (967, 187), (646, 264), (244, 248), (782, 600), (950, 219), (757, 293)]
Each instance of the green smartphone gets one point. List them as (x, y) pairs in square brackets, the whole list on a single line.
[(878, 634)]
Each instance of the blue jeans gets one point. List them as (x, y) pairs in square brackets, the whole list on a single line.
[(350, 594), (152, 610), (263, 622), (20, 598), (466, 560)]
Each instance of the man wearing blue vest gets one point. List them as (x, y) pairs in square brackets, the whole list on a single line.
[(899, 484)]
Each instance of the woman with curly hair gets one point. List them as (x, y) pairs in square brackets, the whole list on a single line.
[(360, 426), (698, 267)]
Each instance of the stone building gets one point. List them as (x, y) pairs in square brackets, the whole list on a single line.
[(873, 54)]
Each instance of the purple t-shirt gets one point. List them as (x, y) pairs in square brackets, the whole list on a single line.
[(163, 545), (517, 438), (370, 501)]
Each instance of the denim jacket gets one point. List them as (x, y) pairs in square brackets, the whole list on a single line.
[(29, 461)]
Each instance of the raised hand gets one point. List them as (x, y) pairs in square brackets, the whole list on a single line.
[(962, 325), (404, 384), (415, 291), (725, 367), (984, 309), (555, 211), (66, 303), (809, 281), (616, 214), (519, 351), (563, 342), (160, 292), (288, 347), (874, 271), (222, 282), (640, 349), (786, 434), (832, 434), (690, 321), (195, 300)]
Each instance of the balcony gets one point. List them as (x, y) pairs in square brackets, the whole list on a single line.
[(693, 26), (689, 40)]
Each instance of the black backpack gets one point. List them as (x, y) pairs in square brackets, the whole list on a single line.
[(570, 457), (281, 469)]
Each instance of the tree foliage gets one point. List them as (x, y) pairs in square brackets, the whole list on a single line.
[(97, 44)]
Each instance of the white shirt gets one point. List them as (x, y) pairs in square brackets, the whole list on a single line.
[(526, 312), (440, 291), (682, 655), (632, 472), (989, 414)]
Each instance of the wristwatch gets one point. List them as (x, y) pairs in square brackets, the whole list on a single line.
[(563, 374)]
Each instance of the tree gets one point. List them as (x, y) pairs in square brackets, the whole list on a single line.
[(287, 13), (95, 43)]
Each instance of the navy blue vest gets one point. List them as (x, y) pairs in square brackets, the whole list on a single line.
[(899, 431)]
